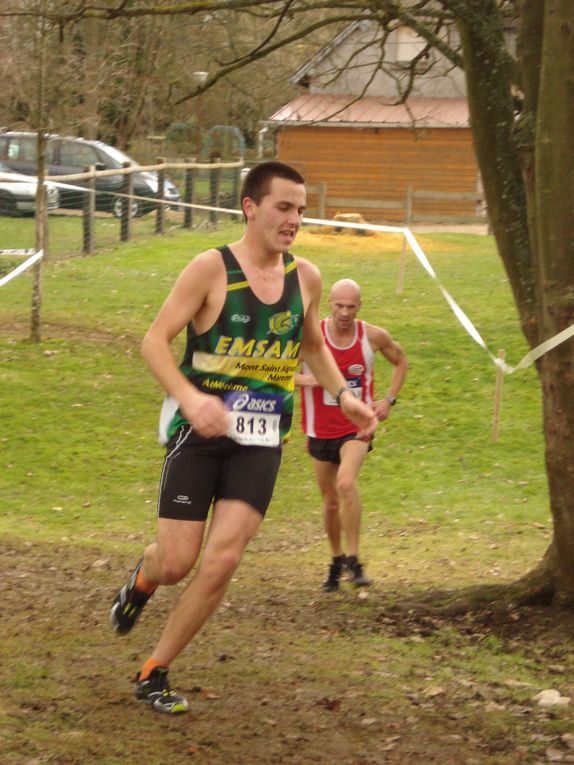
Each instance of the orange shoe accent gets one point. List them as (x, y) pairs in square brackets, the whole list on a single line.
[(150, 664), (142, 585)]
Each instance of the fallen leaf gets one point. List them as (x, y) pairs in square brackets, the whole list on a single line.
[(433, 691), (492, 706), (554, 755), (551, 698), (510, 683)]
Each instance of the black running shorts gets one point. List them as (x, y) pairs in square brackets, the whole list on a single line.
[(329, 449), (198, 471)]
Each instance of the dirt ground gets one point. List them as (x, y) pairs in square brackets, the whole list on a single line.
[(280, 675)]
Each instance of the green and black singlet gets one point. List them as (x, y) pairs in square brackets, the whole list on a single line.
[(248, 358)]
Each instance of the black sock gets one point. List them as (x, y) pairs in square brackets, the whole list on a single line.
[(339, 560), (351, 560)]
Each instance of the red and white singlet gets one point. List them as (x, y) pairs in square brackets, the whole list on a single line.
[(322, 418)]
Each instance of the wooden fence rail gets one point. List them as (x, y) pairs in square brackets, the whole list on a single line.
[(408, 209), (407, 205), (88, 179)]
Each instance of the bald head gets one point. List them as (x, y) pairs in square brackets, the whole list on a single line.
[(346, 288), (344, 302)]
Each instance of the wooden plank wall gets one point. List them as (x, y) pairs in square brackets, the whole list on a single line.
[(375, 163)]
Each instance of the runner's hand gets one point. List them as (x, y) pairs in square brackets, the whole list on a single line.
[(360, 414), (207, 414), (382, 408)]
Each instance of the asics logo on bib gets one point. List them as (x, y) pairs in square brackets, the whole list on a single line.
[(241, 317), (245, 403)]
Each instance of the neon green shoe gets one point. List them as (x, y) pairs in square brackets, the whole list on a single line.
[(155, 691)]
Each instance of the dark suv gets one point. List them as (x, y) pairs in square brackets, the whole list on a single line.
[(67, 156)]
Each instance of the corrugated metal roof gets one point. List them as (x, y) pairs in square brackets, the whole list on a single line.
[(344, 110)]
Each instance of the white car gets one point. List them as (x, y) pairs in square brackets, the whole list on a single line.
[(18, 193)]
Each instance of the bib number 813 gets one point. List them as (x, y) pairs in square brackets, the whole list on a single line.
[(251, 425)]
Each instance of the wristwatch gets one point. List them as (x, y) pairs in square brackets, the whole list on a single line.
[(391, 399)]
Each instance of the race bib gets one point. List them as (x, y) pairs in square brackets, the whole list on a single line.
[(354, 383), (255, 417)]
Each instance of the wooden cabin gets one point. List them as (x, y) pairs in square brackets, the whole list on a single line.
[(362, 147)]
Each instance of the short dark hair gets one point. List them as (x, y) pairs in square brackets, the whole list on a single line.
[(257, 183)]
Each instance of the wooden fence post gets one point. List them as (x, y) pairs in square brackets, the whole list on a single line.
[(214, 178), (322, 200), (126, 219), (160, 216), (188, 196), (403, 258), (41, 238), (236, 187), (41, 245), (497, 397), (89, 209)]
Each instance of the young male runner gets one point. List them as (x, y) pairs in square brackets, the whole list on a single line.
[(249, 309), (338, 451)]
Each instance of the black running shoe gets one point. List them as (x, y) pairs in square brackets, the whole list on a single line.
[(128, 604), (356, 574), (155, 691), (331, 583)]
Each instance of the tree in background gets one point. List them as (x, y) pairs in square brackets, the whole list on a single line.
[(522, 115), (123, 79)]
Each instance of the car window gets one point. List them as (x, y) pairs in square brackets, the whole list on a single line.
[(77, 154), (112, 157), (23, 149), (28, 149), (51, 152), (13, 149)]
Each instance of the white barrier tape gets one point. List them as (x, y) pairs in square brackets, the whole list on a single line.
[(530, 357), (467, 324), (541, 349), (20, 253), (360, 226), (22, 267), (419, 253), (19, 179), (134, 197)]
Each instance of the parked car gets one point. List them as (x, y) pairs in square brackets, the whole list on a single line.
[(68, 156), (18, 193)]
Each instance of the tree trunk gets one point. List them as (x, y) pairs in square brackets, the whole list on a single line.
[(532, 213), (491, 108), (554, 168)]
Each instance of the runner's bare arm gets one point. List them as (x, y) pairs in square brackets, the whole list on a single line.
[(193, 295), (304, 380), (319, 358), (380, 340)]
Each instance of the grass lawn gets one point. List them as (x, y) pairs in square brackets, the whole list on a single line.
[(344, 678)]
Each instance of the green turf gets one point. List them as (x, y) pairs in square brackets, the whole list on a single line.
[(80, 409)]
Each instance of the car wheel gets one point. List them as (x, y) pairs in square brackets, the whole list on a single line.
[(117, 208), (7, 204)]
